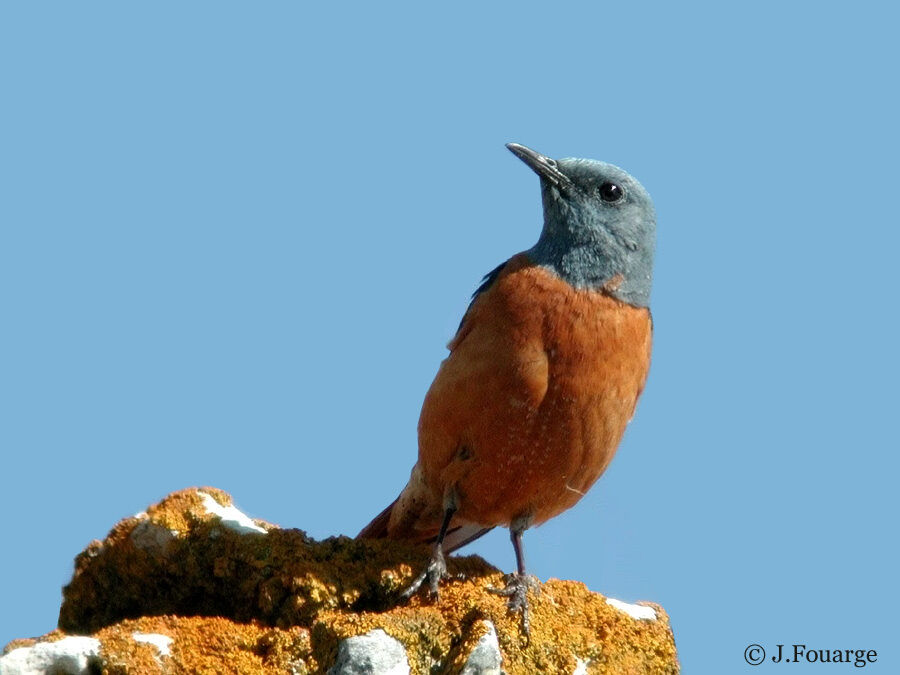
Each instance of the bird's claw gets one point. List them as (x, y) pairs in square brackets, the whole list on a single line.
[(434, 572), (516, 589)]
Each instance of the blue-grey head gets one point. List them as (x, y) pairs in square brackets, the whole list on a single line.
[(599, 226)]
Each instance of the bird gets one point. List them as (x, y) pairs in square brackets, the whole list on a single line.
[(542, 377)]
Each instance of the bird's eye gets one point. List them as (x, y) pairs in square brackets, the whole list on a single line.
[(610, 192)]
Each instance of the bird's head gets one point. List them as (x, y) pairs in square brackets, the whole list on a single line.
[(599, 226)]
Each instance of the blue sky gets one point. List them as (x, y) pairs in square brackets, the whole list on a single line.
[(235, 240)]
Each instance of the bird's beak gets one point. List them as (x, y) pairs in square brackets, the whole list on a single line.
[(543, 166)]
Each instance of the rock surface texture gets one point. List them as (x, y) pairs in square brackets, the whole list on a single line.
[(194, 585)]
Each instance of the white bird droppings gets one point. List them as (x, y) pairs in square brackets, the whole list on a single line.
[(161, 642), (634, 611), (580, 667), (231, 517)]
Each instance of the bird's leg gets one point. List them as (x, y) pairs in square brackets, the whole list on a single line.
[(436, 569), (518, 583)]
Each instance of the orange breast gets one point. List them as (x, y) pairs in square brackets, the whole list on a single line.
[(529, 407)]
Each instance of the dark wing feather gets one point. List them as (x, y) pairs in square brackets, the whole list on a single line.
[(486, 283)]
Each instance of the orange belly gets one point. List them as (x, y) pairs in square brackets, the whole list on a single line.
[(528, 410)]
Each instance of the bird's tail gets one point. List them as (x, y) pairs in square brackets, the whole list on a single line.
[(378, 528), (409, 526), (464, 534)]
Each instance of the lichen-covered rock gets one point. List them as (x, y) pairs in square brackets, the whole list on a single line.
[(194, 585), (169, 644)]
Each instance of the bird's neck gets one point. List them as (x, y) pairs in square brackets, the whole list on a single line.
[(581, 265), (595, 263)]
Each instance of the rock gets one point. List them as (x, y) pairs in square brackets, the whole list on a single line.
[(67, 656), (485, 658), (194, 585), (375, 653)]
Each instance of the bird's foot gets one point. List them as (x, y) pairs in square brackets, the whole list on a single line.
[(434, 572), (516, 589)]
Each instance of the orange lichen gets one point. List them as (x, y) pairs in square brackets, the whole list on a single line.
[(204, 645), (281, 578), (276, 602)]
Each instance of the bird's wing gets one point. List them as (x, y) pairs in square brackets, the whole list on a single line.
[(497, 370), (486, 282)]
